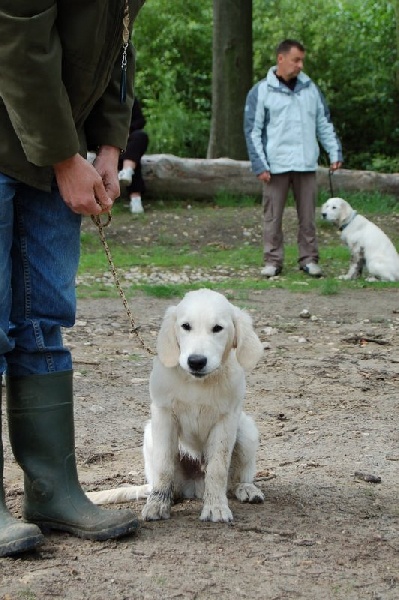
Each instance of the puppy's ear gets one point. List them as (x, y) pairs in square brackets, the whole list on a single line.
[(167, 344), (249, 347), (345, 211)]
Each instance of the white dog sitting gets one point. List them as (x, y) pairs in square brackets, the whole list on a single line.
[(199, 443), (370, 247)]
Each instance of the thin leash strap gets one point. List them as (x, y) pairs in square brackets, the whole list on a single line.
[(134, 328), (330, 176)]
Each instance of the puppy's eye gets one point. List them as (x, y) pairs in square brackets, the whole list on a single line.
[(186, 326), (217, 328)]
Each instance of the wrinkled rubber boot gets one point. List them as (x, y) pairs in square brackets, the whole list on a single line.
[(15, 536), (40, 413)]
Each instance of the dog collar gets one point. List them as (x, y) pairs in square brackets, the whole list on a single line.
[(350, 220)]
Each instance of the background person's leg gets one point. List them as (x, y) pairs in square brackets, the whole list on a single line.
[(131, 157), (305, 195), (137, 145), (274, 198)]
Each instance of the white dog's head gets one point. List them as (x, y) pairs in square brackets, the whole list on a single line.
[(200, 332), (336, 210)]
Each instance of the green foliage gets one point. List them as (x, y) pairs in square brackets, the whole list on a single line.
[(173, 43), (383, 164), (174, 129), (351, 54)]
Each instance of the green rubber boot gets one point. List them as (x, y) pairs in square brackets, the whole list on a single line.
[(40, 413), (15, 536)]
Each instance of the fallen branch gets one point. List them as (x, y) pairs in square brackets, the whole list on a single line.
[(362, 339), (166, 174)]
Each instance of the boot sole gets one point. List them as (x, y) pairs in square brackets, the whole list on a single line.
[(19, 546), (99, 536)]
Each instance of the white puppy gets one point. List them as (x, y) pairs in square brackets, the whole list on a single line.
[(370, 247), (199, 443)]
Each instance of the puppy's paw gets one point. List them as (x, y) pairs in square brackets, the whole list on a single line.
[(248, 492), (345, 277), (217, 513), (157, 507)]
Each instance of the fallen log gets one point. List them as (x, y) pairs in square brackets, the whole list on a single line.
[(168, 175)]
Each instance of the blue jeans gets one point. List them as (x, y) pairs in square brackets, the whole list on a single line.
[(39, 257)]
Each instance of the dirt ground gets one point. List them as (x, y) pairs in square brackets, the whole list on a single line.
[(325, 399)]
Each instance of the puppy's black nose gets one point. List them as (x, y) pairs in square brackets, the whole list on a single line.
[(196, 362), (324, 215)]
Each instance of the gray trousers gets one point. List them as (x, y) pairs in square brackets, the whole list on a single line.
[(304, 187)]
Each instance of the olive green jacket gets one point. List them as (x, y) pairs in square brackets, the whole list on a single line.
[(60, 72)]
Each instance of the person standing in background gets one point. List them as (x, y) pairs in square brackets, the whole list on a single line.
[(66, 74), (285, 116)]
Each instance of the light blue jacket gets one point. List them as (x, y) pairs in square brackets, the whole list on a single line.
[(282, 127)]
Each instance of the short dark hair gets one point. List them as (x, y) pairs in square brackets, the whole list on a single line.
[(286, 45)]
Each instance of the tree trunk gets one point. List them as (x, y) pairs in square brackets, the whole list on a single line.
[(231, 76), (167, 175)]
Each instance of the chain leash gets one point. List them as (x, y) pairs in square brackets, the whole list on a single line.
[(96, 218), (125, 45), (134, 328)]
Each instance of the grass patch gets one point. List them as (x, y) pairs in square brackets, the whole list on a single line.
[(293, 282), (367, 203), (164, 255), (167, 290), (169, 250), (223, 199), (329, 287)]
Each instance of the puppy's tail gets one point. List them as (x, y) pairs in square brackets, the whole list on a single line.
[(122, 494)]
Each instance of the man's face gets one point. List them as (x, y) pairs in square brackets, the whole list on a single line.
[(290, 64)]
